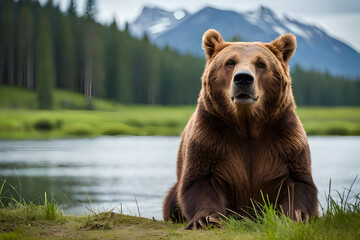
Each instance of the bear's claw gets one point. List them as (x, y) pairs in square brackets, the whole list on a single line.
[(301, 216), (203, 223)]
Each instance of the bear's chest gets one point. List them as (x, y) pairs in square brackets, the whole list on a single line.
[(254, 165)]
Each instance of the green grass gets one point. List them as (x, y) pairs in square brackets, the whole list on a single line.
[(19, 118), (21, 220), (132, 120), (339, 220), (330, 121), (13, 207), (20, 98)]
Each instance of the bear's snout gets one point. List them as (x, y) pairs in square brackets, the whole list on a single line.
[(243, 79), (242, 90)]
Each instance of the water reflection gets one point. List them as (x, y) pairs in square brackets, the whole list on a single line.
[(114, 170)]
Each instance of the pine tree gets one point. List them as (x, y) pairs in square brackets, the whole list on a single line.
[(98, 61), (125, 94), (44, 63), (112, 59), (154, 75), (66, 55), (88, 59), (90, 9), (72, 8), (127, 27), (74, 22), (93, 55), (25, 61), (7, 32), (49, 4)]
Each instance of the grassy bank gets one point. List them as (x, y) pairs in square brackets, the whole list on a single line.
[(20, 119), (109, 225), (20, 220)]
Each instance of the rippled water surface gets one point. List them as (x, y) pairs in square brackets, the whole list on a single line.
[(116, 172)]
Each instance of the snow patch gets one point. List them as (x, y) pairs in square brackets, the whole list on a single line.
[(268, 18), (251, 17), (294, 28), (279, 30), (160, 26)]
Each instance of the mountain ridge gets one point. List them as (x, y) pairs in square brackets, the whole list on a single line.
[(316, 50)]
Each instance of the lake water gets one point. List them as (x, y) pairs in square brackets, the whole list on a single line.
[(113, 173)]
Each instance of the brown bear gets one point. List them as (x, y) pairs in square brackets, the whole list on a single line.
[(244, 140)]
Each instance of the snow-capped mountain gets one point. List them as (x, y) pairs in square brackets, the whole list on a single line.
[(154, 21), (315, 48)]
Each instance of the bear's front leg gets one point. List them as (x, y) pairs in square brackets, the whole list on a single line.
[(299, 201), (202, 202)]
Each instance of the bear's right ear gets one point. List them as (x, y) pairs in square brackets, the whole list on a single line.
[(210, 42), (286, 45)]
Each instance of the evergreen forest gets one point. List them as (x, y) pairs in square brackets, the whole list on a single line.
[(43, 48)]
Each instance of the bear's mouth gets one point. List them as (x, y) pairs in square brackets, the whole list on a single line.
[(244, 98)]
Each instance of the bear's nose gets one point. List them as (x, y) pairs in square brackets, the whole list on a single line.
[(243, 78)]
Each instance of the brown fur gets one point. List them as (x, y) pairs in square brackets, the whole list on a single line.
[(230, 152)]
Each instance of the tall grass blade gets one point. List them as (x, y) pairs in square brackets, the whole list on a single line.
[(137, 205), (52, 209), (1, 192), (350, 189)]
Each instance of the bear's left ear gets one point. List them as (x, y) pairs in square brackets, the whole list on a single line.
[(286, 45), (210, 42)]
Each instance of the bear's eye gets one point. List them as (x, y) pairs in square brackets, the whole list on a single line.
[(230, 63), (260, 65)]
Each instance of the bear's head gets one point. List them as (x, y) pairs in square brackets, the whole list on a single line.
[(247, 78)]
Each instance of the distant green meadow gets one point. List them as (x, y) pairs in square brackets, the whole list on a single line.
[(20, 119)]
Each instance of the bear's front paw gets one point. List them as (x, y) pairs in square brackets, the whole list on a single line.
[(202, 222), (298, 214)]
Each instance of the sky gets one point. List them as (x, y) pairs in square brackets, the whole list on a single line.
[(339, 18)]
